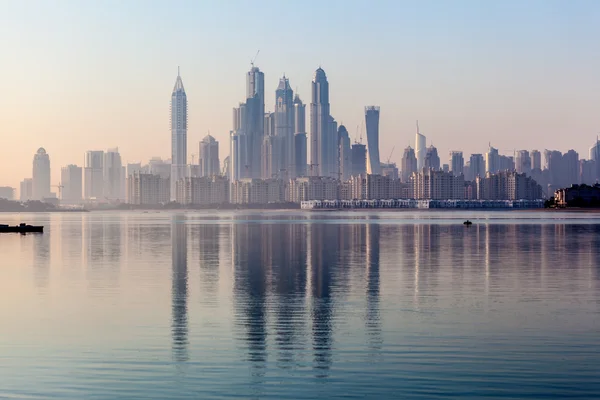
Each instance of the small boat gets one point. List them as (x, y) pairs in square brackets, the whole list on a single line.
[(467, 223), (21, 228)]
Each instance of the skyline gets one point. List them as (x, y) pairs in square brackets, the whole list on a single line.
[(465, 92)]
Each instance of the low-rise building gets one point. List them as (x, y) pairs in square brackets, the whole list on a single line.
[(148, 189), (7, 193), (507, 185), (312, 188), (203, 191), (438, 185), (578, 196), (257, 191)]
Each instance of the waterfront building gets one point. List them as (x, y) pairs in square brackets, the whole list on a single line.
[(492, 161), (179, 125), (7, 193), (372, 124), (112, 171), (312, 188), (41, 175), (457, 163), (93, 175), (323, 146), (587, 172), (523, 162), (257, 191), (507, 185), (409, 164), (432, 159), (71, 179), (578, 196), (148, 189), (420, 149), (438, 185), (203, 191), (359, 159), (390, 170), (477, 165), (26, 189), (209, 157), (345, 153), (300, 142)]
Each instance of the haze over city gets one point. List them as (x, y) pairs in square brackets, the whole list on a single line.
[(85, 76)]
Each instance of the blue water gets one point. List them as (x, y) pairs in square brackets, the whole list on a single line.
[(301, 305)]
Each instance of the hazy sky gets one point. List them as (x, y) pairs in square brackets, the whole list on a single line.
[(86, 75)]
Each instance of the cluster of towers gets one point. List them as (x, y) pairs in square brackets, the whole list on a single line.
[(275, 145)]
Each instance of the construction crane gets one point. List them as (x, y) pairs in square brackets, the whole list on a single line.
[(254, 58), (60, 188), (390, 157)]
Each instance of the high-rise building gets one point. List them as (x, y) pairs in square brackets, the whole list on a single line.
[(409, 164), (359, 159), (477, 165), (345, 153), (112, 169), (372, 123), (26, 189), (148, 189), (457, 163), (238, 155), (492, 161), (285, 128), (71, 179), (209, 156), (587, 172), (507, 185), (523, 162), (323, 142), (254, 121), (93, 175), (203, 191), (570, 174), (420, 149), (536, 159), (179, 123), (300, 142), (41, 175), (432, 159), (595, 156), (438, 185)]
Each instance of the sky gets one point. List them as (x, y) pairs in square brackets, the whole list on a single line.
[(83, 75)]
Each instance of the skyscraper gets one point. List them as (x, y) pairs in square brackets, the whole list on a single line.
[(254, 120), (300, 145), (409, 164), (71, 179), (523, 162), (457, 163), (93, 175), (492, 160), (41, 175), (477, 165), (420, 149), (284, 128), (209, 156), (345, 153), (323, 142), (536, 160), (112, 169), (372, 123), (178, 135), (359, 159), (432, 159)]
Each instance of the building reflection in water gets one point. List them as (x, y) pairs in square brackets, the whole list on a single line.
[(179, 290), (41, 259), (207, 238), (372, 320)]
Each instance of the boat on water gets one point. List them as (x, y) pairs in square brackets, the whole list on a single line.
[(21, 228), (467, 223)]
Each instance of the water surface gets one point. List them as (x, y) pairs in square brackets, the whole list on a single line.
[(301, 305)]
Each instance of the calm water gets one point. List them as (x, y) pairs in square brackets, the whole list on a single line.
[(301, 305)]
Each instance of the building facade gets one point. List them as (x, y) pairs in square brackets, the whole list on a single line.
[(203, 191), (323, 142), (148, 189), (41, 175), (179, 125), (71, 179), (372, 124), (209, 157)]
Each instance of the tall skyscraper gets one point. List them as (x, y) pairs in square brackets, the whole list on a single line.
[(300, 142), (209, 156), (41, 175), (93, 175), (112, 169), (457, 163), (179, 123), (372, 123), (536, 160), (26, 190), (345, 153), (284, 127), (523, 162), (409, 164), (492, 160), (420, 149), (359, 159), (477, 165), (254, 121), (71, 179), (432, 159), (323, 142)]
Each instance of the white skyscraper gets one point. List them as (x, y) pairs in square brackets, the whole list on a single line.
[(71, 178), (112, 169), (372, 123), (41, 175), (178, 135), (420, 149)]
